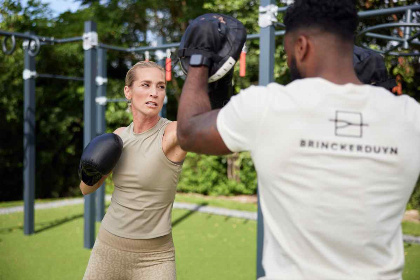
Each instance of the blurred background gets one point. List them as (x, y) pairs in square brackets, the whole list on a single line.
[(129, 23)]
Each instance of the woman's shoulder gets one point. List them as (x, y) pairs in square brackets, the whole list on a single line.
[(171, 127), (120, 130)]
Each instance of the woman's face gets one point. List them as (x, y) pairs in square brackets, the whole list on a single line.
[(147, 91)]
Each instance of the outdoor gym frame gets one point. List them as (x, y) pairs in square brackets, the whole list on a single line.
[(95, 81)]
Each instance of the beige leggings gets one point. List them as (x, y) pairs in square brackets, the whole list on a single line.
[(115, 258)]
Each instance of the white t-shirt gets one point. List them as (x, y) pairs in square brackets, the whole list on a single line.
[(336, 166)]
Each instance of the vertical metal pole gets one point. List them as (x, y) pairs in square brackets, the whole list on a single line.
[(101, 126), (407, 30), (160, 41), (29, 140), (266, 76), (89, 130)]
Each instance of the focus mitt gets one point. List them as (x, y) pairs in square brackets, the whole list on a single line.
[(370, 68), (214, 40)]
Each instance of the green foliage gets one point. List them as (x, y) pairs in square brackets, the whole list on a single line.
[(207, 175), (414, 202), (127, 23)]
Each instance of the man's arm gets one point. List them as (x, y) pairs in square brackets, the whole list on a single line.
[(197, 129)]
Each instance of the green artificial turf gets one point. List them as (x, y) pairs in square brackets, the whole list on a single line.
[(215, 202), (5, 204), (180, 197), (411, 228), (207, 246)]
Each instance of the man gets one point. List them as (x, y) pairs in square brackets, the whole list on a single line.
[(336, 160)]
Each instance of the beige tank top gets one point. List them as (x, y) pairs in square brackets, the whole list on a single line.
[(145, 184)]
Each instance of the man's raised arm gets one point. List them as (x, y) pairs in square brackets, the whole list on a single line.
[(208, 52), (197, 131)]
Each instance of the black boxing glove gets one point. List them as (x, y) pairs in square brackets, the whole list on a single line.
[(99, 157), (216, 40), (221, 91)]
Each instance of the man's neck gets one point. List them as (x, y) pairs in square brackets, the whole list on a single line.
[(338, 70)]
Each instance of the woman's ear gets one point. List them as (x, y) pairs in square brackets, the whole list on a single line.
[(127, 92)]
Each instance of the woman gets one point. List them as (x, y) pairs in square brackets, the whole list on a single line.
[(135, 239)]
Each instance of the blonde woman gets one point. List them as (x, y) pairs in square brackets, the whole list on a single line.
[(135, 239)]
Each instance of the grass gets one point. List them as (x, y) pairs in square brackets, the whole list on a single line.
[(207, 246), (215, 201), (411, 228), (180, 197), (6, 204)]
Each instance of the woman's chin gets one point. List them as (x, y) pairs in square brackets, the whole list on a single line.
[(149, 111)]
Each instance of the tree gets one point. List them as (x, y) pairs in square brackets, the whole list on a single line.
[(126, 23)]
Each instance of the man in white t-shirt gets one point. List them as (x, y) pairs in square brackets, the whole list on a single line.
[(336, 160)]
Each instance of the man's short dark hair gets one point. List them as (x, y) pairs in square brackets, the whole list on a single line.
[(334, 16)]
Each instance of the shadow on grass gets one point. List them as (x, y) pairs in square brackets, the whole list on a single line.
[(189, 213), (52, 224), (40, 227)]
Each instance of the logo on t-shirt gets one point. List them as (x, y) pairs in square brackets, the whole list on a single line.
[(348, 124)]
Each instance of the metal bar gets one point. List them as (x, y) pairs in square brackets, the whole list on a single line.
[(139, 49), (52, 40), (404, 54), (279, 33), (411, 39), (155, 48), (364, 14), (266, 76), (260, 238), (253, 36), (100, 128), (68, 40), (115, 100), (388, 51), (29, 142), (385, 37), (109, 47), (388, 11), (26, 35), (162, 61), (168, 46), (257, 35), (41, 38), (407, 30), (281, 9), (393, 48), (59, 77), (387, 25), (89, 131)]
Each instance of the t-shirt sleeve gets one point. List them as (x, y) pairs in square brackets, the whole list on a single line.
[(238, 121), (412, 111)]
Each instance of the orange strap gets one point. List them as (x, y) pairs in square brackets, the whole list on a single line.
[(168, 65), (168, 69), (242, 62)]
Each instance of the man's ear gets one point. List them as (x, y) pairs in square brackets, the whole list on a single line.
[(301, 48), (127, 92)]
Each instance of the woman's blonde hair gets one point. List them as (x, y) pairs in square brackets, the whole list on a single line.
[(131, 74)]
